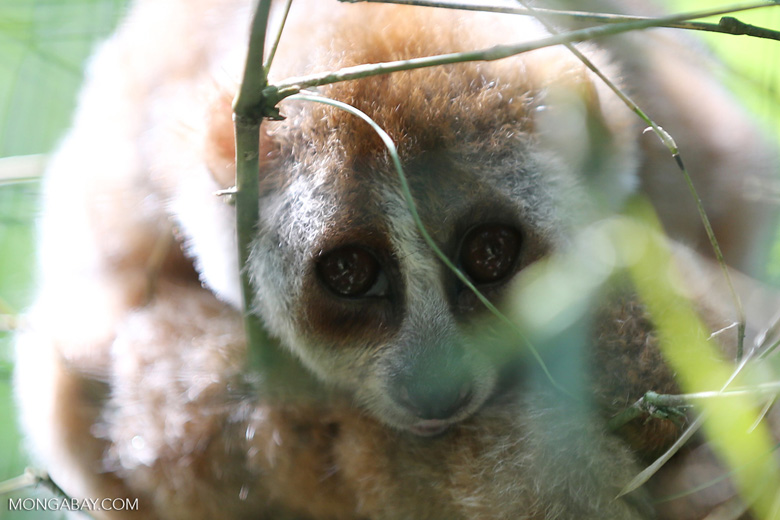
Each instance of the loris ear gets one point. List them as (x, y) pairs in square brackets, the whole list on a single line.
[(219, 148)]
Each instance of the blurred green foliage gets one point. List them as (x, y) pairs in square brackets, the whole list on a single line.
[(750, 64), (43, 46)]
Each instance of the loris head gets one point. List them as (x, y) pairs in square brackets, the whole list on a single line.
[(499, 158)]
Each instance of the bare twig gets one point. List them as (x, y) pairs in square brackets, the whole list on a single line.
[(648, 404), (277, 39), (249, 107), (652, 401), (719, 257), (653, 468), (283, 89), (727, 25), (281, 374), (731, 25), (32, 478), (13, 485), (250, 96)]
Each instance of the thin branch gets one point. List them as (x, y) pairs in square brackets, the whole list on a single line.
[(719, 257), (771, 348), (763, 389), (248, 107), (727, 25), (16, 484), (731, 25), (648, 404), (652, 400), (281, 374), (277, 39), (770, 332), (764, 411), (283, 89), (657, 464), (34, 477), (250, 96)]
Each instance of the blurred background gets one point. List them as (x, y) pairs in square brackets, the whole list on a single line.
[(43, 48)]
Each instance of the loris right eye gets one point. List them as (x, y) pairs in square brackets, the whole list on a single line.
[(489, 252), (353, 272)]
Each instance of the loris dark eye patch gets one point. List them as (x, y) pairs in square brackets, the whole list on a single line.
[(352, 271), (489, 252)]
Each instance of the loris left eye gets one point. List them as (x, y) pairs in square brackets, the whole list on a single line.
[(353, 272), (489, 252)]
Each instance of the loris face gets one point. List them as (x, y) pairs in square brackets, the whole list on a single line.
[(364, 300), (345, 278), (341, 271)]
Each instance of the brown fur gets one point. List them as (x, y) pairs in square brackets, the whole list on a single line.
[(146, 391)]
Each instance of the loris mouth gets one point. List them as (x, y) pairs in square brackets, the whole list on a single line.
[(430, 427)]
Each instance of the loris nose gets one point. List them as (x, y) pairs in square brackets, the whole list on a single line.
[(433, 390)]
